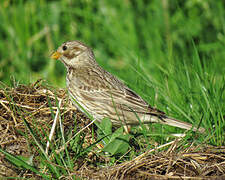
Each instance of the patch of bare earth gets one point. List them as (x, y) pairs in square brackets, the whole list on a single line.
[(36, 103)]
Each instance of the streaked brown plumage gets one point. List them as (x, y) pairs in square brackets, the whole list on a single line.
[(103, 95)]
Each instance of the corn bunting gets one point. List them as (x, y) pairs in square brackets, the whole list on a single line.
[(103, 95)]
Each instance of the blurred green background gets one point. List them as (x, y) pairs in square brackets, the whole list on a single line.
[(151, 33), (170, 52)]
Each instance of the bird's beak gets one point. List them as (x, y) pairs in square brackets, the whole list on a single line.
[(56, 55)]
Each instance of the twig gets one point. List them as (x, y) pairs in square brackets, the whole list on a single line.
[(156, 148), (53, 127), (19, 105), (11, 112)]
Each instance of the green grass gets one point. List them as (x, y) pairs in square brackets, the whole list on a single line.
[(169, 52)]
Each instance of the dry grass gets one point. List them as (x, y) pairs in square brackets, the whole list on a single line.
[(207, 163), (34, 103)]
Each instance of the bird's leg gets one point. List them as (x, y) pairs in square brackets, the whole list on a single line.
[(127, 129)]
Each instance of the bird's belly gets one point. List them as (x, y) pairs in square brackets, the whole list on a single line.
[(86, 107)]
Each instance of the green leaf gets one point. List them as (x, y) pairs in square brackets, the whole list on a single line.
[(114, 143), (105, 130), (118, 144)]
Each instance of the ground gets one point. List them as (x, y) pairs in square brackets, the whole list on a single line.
[(37, 104)]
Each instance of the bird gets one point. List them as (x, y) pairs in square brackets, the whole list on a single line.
[(96, 92)]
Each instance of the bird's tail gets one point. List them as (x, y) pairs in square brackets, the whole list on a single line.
[(180, 124)]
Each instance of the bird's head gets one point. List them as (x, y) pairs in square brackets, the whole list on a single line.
[(74, 54)]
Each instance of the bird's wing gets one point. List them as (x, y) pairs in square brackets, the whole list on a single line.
[(140, 106)]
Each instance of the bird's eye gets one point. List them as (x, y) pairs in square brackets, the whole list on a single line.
[(64, 48)]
